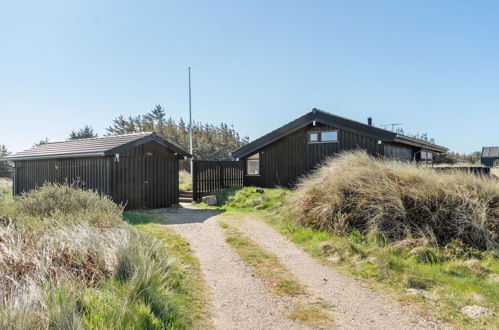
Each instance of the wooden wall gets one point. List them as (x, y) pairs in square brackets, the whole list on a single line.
[(92, 173), (145, 176), (284, 161)]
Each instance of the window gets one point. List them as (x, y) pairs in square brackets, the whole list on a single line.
[(426, 155), (323, 136), (313, 137), (330, 136), (253, 164)]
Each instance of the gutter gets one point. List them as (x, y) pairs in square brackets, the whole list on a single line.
[(420, 144), (14, 158)]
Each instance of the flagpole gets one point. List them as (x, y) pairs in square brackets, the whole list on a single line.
[(190, 119)]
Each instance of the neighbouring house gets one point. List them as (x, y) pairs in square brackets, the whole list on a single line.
[(283, 155), (490, 156), (140, 170)]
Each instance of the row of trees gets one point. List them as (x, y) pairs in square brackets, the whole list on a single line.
[(210, 142)]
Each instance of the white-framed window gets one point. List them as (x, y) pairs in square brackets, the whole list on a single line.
[(329, 136), (313, 137), (253, 164), (322, 136)]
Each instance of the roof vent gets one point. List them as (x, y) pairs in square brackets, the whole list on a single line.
[(370, 121)]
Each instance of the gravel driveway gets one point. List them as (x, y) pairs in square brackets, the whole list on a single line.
[(242, 301)]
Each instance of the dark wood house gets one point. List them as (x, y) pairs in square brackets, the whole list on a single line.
[(490, 156), (281, 156), (139, 170)]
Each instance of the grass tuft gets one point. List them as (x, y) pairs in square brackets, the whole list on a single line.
[(69, 261), (355, 191)]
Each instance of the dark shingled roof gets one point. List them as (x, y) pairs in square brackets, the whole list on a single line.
[(490, 152), (103, 146), (333, 120)]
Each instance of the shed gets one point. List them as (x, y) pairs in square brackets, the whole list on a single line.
[(280, 157), (139, 170), (490, 156)]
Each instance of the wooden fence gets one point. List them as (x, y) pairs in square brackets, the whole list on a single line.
[(209, 176)]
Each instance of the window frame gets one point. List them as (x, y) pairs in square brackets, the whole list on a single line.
[(253, 158), (319, 135)]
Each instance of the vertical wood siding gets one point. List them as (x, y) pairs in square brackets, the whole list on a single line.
[(88, 173), (283, 162), (145, 176)]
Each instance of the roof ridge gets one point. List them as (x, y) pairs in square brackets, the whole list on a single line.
[(99, 137)]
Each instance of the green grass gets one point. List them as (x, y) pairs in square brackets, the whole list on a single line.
[(266, 265), (189, 295), (449, 282), (83, 267)]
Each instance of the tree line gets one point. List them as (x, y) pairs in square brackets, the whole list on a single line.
[(210, 142)]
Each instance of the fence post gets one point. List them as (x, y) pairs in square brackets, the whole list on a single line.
[(221, 174), (194, 181)]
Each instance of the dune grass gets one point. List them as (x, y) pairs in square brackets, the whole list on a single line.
[(190, 291), (495, 171), (438, 277), (399, 200), (69, 261)]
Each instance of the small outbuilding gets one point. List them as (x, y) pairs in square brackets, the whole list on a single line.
[(139, 170), (490, 156), (280, 157)]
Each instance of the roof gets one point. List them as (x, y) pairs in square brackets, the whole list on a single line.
[(490, 152), (333, 120), (93, 147)]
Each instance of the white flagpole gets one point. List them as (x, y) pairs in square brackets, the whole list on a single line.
[(190, 119)]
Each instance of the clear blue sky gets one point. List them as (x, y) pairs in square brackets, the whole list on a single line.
[(431, 65)]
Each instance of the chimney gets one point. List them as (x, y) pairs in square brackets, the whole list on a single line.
[(370, 121)]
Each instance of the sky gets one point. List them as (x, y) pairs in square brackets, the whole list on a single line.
[(431, 65)]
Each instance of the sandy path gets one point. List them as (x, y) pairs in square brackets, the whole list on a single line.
[(355, 306), (240, 300)]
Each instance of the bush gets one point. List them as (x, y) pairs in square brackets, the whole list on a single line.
[(399, 200), (55, 204), (69, 261)]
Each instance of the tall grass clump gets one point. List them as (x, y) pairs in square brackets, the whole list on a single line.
[(399, 200), (69, 261)]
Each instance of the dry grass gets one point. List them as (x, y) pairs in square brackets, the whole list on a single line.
[(398, 200), (68, 261), (495, 171), (316, 314)]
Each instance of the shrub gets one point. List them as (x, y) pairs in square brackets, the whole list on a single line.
[(66, 204), (399, 201), (69, 261)]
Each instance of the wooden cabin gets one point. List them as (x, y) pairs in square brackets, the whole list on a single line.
[(490, 156), (139, 170), (283, 155)]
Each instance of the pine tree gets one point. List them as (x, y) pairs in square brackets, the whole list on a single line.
[(83, 133), (4, 166), (210, 142), (42, 141)]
